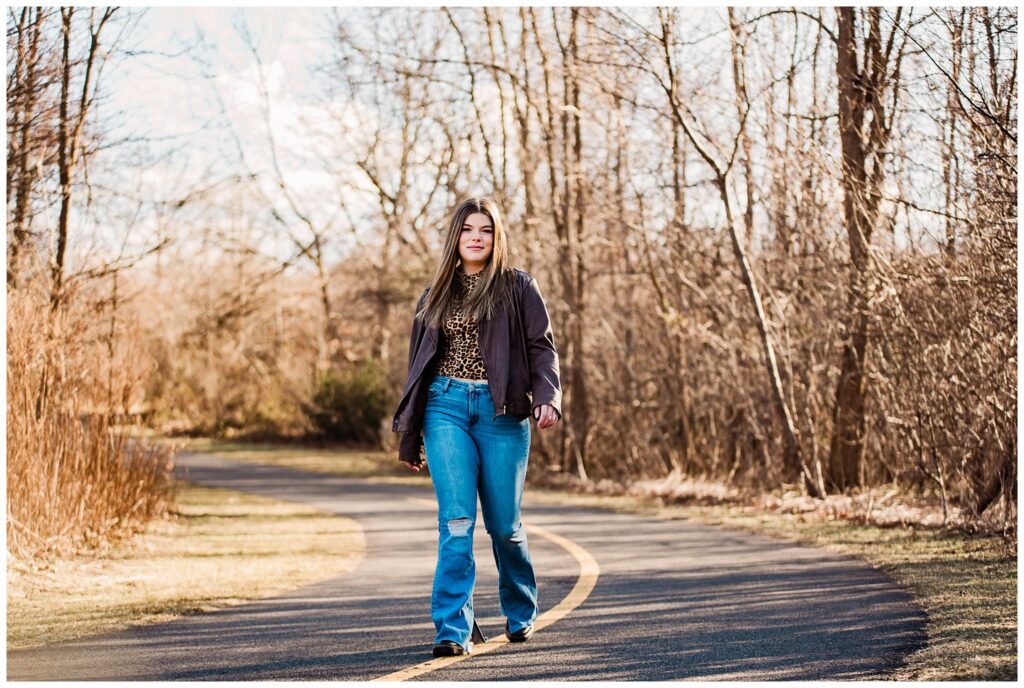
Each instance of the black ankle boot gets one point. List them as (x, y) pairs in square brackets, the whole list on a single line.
[(448, 648), (520, 636)]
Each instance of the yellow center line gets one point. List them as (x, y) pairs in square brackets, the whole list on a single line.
[(589, 571)]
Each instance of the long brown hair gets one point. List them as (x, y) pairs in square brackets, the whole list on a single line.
[(496, 279)]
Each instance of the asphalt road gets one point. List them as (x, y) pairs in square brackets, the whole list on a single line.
[(674, 600)]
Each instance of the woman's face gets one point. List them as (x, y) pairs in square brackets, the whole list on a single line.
[(476, 242)]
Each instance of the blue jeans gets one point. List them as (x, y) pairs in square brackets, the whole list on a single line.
[(468, 450)]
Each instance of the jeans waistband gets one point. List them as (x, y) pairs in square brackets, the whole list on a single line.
[(464, 384)]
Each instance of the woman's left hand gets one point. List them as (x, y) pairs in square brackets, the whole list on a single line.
[(546, 416)]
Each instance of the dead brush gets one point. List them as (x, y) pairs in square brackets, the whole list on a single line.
[(74, 479)]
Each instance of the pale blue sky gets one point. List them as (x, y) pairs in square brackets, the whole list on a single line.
[(166, 95), (170, 94)]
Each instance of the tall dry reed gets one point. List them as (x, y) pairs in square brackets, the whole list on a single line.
[(74, 479)]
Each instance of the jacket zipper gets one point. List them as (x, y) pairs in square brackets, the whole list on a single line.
[(504, 411)]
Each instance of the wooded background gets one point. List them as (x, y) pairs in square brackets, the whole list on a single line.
[(778, 246)]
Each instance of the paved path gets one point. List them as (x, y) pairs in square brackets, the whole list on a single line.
[(673, 600)]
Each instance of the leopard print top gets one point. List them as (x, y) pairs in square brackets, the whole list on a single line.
[(460, 349)]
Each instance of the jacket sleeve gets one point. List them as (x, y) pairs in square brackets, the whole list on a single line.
[(414, 335), (540, 347), (410, 447), (410, 444)]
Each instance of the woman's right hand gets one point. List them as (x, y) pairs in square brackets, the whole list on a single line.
[(414, 467)]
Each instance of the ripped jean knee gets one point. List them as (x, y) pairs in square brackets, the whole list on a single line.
[(456, 545), (459, 527)]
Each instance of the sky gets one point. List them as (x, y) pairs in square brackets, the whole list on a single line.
[(192, 69), (191, 88)]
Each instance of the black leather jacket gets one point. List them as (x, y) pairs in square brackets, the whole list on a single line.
[(519, 352)]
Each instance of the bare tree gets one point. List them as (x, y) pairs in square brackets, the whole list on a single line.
[(868, 72), (26, 88), (71, 122), (720, 167)]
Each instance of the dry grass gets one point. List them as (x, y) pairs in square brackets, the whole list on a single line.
[(967, 584), (71, 482), (218, 548)]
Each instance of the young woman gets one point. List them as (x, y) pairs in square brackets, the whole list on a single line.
[(482, 360)]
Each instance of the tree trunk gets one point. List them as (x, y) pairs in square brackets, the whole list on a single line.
[(847, 445), (25, 112)]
